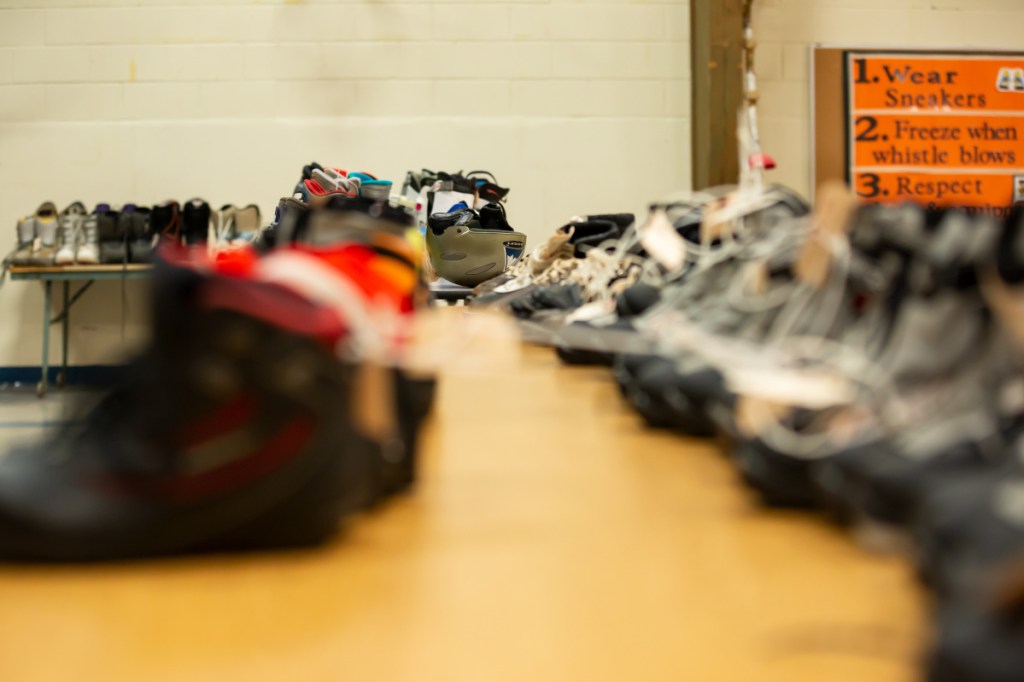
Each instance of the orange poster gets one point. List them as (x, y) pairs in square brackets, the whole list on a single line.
[(943, 129)]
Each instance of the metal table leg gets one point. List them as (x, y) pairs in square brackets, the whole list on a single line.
[(47, 295), (62, 378)]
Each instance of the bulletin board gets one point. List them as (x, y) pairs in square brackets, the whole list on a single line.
[(938, 128)]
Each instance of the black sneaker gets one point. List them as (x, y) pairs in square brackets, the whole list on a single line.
[(111, 233), (307, 174), (165, 223), (196, 218), (978, 645), (980, 634), (140, 236)]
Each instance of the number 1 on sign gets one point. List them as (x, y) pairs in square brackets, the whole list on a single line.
[(862, 71)]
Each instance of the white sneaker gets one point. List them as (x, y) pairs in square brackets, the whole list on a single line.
[(26, 241), (89, 241), (69, 229)]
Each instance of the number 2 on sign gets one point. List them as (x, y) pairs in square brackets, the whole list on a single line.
[(866, 133), (869, 186)]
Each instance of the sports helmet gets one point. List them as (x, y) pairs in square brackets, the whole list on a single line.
[(467, 247)]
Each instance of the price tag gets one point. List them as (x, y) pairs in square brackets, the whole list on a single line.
[(662, 242)]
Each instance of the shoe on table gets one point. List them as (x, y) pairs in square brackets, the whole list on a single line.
[(238, 225), (46, 222), (110, 235), (165, 223), (139, 235), (553, 262), (371, 187), (69, 234), (88, 252), (26, 241), (196, 221)]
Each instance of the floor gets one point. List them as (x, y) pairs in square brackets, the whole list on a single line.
[(552, 538)]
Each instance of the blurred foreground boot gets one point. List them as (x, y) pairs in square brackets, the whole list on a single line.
[(233, 432), (981, 637)]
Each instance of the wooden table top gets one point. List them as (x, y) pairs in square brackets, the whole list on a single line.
[(551, 538), (85, 269)]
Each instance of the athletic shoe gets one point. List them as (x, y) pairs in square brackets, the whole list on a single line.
[(330, 181), (196, 221), (70, 234), (238, 225), (307, 174), (980, 643), (112, 238), (140, 236), (279, 230), (25, 249), (46, 226), (555, 260), (372, 188), (165, 223), (88, 252), (934, 304)]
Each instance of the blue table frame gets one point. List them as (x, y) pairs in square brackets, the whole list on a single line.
[(67, 274)]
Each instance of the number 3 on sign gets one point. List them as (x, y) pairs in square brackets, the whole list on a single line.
[(868, 185)]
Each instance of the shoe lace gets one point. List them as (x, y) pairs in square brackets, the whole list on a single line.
[(68, 229)]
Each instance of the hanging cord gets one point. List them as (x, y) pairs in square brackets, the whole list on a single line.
[(124, 269), (752, 159)]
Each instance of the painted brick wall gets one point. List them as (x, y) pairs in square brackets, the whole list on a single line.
[(787, 28), (577, 105)]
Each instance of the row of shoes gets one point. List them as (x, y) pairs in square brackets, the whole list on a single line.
[(861, 361), (128, 233), (317, 186), (269, 407), (439, 192), (319, 182), (461, 216)]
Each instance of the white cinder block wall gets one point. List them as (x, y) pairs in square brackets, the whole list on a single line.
[(787, 28), (579, 106)]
